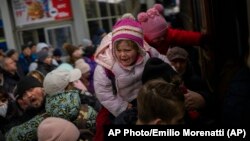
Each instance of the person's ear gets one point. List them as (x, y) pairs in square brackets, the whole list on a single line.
[(157, 121)]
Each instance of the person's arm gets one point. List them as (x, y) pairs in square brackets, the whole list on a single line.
[(25, 131), (104, 93), (177, 37)]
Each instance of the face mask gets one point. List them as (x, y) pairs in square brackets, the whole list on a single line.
[(3, 109)]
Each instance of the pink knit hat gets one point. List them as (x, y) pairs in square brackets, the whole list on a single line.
[(153, 23), (53, 128), (128, 28)]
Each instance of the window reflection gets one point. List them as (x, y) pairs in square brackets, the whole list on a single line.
[(60, 35)]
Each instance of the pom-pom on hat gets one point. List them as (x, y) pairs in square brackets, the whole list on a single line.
[(128, 28), (153, 23)]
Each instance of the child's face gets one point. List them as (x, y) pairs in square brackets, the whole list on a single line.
[(78, 53), (125, 53)]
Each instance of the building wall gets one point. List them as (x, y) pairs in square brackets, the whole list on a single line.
[(7, 23), (79, 23)]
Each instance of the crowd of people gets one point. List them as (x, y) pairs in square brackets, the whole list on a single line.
[(138, 74)]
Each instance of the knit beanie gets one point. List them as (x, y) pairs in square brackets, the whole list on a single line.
[(128, 28), (177, 53), (57, 52), (25, 84), (42, 55), (40, 46), (157, 68), (53, 128), (70, 49), (153, 23), (86, 43)]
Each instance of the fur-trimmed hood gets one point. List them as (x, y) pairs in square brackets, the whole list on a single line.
[(104, 54)]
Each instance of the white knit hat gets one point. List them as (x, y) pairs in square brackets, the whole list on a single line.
[(57, 80), (41, 46), (86, 42)]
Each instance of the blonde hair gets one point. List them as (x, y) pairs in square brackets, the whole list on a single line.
[(160, 99), (129, 42), (36, 74)]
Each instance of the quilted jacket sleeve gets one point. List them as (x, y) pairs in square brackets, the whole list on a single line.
[(103, 88)]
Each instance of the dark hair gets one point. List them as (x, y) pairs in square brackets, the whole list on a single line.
[(31, 44), (157, 68), (10, 52), (3, 94), (89, 51), (23, 47)]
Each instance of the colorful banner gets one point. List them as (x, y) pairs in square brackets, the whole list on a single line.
[(37, 11)]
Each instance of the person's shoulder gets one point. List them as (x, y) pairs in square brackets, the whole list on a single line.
[(21, 56), (33, 56)]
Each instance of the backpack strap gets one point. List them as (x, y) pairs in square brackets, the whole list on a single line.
[(111, 76)]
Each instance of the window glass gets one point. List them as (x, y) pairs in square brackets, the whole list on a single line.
[(57, 36), (104, 13), (106, 25), (93, 27), (91, 8), (103, 9)]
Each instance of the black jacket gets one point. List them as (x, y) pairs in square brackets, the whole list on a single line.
[(237, 101)]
